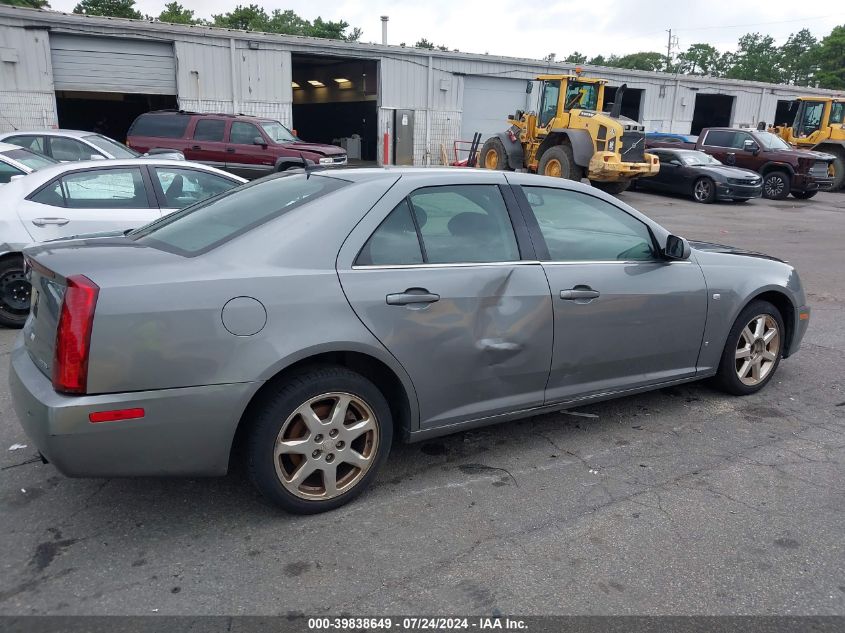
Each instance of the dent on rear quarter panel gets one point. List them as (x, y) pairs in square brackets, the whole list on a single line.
[(737, 279)]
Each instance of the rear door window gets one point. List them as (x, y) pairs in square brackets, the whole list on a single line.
[(394, 243), (34, 143), (117, 188), (160, 125), (203, 226), (209, 130), (720, 138), (182, 186)]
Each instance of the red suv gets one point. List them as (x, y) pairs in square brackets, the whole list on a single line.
[(244, 145)]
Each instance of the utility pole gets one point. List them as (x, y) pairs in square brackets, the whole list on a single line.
[(673, 42)]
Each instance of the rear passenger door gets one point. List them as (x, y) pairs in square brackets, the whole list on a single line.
[(437, 273), (720, 145), (90, 201), (207, 144), (244, 156)]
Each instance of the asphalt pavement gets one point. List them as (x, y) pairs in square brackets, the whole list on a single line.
[(680, 501)]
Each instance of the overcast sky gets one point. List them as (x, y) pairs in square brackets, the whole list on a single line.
[(535, 28)]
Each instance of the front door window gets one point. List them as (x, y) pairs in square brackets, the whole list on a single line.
[(548, 103)]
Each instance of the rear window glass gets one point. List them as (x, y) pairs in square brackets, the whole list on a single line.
[(209, 130), (205, 225), (160, 125), (30, 159)]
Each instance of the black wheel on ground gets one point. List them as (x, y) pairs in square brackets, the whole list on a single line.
[(838, 165), (15, 293), (804, 195), (493, 155), (613, 188), (704, 191), (318, 440), (753, 349), (776, 185), (558, 162)]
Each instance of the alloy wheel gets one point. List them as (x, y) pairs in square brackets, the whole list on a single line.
[(775, 186), (553, 168), (491, 159), (326, 446), (702, 190), (757, 349)]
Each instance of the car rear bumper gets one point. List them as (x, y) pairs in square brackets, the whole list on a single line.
[(185, 432), (727, 191)]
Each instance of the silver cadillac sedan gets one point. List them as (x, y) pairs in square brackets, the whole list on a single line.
[(307, 318)]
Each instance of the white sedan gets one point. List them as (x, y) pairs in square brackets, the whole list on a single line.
[(17, 161), (90, 197), (74, 145)]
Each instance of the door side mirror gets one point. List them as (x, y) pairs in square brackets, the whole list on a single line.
[(677, 248), (259, 141), (751, 146)]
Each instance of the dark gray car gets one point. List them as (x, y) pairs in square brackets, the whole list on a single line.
[(309, 318)]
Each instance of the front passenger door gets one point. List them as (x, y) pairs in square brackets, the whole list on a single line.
[(243, 156), (436, 274), (624, 317)]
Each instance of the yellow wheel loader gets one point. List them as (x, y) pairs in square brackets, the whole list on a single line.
[(570, 137), (820, 125)]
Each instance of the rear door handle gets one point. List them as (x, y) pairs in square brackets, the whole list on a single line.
[(195, 147), (411, 296), (46, 221), (230, 150), (574, 294)]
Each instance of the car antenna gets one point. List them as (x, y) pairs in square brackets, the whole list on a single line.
[(305, 164)]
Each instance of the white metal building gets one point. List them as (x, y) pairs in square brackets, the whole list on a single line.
[(78, 71)]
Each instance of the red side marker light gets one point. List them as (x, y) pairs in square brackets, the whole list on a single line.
[(116, 416)]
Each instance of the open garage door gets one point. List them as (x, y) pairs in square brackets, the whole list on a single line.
[(103, 83), (487, 103), (711, 111)]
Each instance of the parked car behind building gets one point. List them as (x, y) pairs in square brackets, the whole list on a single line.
[(88, 197), (248, 146), (75, 145)]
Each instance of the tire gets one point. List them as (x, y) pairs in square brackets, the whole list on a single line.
[(493, 155), (613, 188), (769, 355), (15, 293), (704, 191), (776, 185), (558, 162), (838, 165), (804, 195), (276, 419)]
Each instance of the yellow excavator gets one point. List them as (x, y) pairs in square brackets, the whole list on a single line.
[(819, 125), (571, 137)]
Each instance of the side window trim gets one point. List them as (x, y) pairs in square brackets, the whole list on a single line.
[(50, 183), (542, 248), (416, 222)]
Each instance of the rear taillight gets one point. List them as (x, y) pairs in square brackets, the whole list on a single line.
[(73, 335)]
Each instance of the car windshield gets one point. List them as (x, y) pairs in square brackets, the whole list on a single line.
[(772, 141), (207, 224), (30, 159), (693, 159), (278, 132), (117, 150)]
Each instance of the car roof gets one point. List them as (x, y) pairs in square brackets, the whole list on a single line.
[(219, 115), (51, 132)]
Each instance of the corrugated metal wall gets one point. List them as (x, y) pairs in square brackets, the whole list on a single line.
[(108, 64), (26, 80)]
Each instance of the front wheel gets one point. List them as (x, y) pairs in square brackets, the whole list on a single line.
[(753, 349), (318, 441), (704, 191), (15, 293), (776, 185), (804, 195), (558, 162), (493, 155), (613, 188)]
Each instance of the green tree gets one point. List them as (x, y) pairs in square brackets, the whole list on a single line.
[(757, 58), (800, 58), (598, 60), (641, 61), (175, 13), (327, 29), (253, 18), (701, 59), (576, 58), (832, 60), (29, 4), (424, 43), (244, 18), (110, 8)]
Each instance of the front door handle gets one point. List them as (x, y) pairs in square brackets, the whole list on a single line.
[(411, 296), (230, 150), (195, 147), (579, 292), (46, 221)]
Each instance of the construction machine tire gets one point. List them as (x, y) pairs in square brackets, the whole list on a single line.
[(838, 166), (493, 155), (558, 162), (613, 188)]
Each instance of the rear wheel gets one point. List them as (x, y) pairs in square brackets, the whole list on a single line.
[(704, 191), (319, 440), (804, 195), (612, 188), (558, 162), (15, 293), (493, 155), (753, 349), (838, 164), (776, 185)]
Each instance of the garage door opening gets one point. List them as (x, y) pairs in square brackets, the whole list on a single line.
[(785, 112), (632, 101), (108, 113), (711, 111), (335, 101)]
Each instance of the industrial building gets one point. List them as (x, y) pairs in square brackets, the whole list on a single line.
[(99, 73)]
